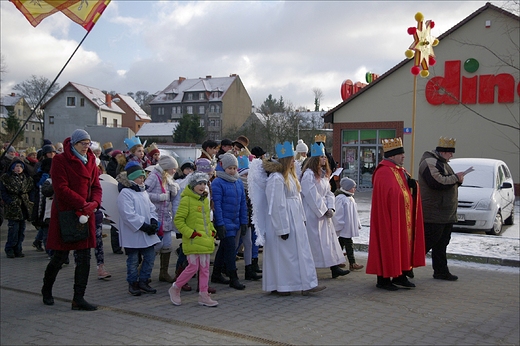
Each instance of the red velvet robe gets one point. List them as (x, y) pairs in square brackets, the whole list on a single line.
[(396, 224), (71, 180)]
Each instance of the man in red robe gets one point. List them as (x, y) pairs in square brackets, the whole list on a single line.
[(396, 222)]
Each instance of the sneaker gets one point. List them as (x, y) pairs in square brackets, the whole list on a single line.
[(175, 295), (102, 273)]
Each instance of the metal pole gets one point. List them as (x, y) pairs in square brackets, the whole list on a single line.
[(414, 104)]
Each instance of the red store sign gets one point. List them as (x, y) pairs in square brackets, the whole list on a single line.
[(452, 89)]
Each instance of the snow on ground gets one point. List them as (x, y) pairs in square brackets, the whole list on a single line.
[(504, 246)]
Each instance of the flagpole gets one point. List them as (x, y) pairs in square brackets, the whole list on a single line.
[(414, 107), (43, 97)]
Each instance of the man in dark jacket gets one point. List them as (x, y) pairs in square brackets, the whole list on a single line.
[(439, 192)]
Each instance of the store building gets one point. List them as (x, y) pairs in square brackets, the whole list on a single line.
[(472, 94)]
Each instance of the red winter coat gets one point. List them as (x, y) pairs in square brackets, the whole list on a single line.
[(71, 180)]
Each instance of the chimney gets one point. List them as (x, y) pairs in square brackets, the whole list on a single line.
[(108, 100), (208, 77), (13, 94), (181, 79)]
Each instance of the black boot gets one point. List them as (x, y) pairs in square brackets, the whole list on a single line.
[(386, 284), (251, 274), (403, 281), (143, 286), (216, 276), (51, 272), (80, 281), (256, 268), (233, 276), (133, 289), (337, 271)]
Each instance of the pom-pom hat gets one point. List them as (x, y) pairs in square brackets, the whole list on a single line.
[(204, 165), (301, 147)]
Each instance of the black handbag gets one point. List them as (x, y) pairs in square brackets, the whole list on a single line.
[(72, 231)]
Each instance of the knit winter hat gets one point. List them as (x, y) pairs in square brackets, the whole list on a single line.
[(187, 164), (301, 147), (48, 148), (168, 162), (197, 178), (11, 149), (15, 162), (347, 183), (78, 136), (204, 165), (116, 152), (134, 170), (228, 160), (95, 146)]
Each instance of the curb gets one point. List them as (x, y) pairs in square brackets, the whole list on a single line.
[(464, 258)]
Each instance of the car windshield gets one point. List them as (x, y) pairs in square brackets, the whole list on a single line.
[(483, 176)]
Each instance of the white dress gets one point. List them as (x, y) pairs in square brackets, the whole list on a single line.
[(287, 264), (317, 199), (346, 220)]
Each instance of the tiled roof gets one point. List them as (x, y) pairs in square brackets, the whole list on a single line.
[(140, 113), (157, 129), (178, 87)]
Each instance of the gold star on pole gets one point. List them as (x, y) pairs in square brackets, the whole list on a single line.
[(422, 46)]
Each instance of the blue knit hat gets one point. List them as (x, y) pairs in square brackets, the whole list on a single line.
[(78, 136), (134, 170)]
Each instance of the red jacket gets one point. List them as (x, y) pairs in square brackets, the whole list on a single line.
[(71, 180)]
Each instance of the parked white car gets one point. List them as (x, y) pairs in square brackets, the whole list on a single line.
[(487, 195)]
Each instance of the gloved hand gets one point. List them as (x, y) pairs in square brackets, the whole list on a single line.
[(164, 197), (195, 234), (412, 183), (89, 208), (148, 229), (178, 235), (174, 189), (243, 230), (221, 231), (154, 222), (213, 234), (330, 213), (285, 236)]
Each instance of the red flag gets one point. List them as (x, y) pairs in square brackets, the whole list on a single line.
[(83, 12)]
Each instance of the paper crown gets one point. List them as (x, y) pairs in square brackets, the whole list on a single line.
[(284, 150), (320, 138), (151, 147), (131, 142), (317, 150), (391, 144), (30, 150), (446, 144), (108, 145), (243, 162)]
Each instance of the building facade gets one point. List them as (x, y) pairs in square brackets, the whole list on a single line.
[(472, 94), (222, 103), (32, 132)]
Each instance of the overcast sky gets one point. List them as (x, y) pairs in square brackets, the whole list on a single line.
[(280, 48)]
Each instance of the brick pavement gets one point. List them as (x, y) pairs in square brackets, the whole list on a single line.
[(481, 308)]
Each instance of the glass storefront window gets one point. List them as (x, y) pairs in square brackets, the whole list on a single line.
[(361, 152)]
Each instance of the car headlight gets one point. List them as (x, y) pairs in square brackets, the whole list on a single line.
[(483, 204)]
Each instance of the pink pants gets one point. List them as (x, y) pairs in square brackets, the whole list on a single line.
[(196, 263)]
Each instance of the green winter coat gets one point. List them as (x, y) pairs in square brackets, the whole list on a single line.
[(194, 214)]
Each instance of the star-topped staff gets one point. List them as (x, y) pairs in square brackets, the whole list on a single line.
[(422, 50)]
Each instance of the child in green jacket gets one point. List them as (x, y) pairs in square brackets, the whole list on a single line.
[(198, 238)]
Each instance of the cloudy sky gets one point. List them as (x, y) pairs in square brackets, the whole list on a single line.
[(280, 48)]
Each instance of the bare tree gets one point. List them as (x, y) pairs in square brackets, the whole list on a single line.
[(318, 96), (33, 90)]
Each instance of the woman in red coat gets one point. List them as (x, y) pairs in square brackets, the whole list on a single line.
[(76, 187)]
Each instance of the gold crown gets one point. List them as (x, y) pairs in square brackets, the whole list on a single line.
[(152, 146), (30, 150), (320, 138), (391, 144), (447, 142), (108, 145)]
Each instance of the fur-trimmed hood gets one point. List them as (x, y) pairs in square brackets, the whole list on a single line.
[(124, 182), (272, 166)]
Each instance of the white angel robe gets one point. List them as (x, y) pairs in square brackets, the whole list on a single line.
[(317, 199), (346, 219), (287, 264)]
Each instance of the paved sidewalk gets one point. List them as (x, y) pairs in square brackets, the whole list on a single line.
[(482, 307)]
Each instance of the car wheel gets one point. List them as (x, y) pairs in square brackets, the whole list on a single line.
[(497, 225), (511, 219)]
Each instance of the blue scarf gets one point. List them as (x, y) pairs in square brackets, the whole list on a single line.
[(83, 159)]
